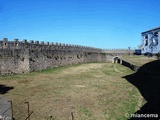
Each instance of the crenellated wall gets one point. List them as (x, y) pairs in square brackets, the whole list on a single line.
[(118, 52), (23, 57), (5, 44)]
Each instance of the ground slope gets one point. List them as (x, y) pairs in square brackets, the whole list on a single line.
[(94, 91)]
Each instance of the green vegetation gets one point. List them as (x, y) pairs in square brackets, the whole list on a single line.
[(139, 60), (93, 91)]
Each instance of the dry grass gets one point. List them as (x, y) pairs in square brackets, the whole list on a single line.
[(94, 91), (139, 60)]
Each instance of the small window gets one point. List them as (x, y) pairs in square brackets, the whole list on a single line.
[(146, 36), (155, 41), (156, 34), (146, 42)]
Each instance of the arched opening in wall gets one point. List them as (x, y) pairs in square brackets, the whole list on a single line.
[(116, 59), (5, 44)]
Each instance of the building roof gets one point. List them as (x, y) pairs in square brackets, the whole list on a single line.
[(151, 30)]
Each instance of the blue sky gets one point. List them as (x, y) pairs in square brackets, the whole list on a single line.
[(95, 23)]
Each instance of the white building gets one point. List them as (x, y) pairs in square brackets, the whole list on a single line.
[(151, 41)]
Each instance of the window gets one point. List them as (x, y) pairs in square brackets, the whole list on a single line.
[(156, 34), (155, 41), (146, 42), (146, 36)]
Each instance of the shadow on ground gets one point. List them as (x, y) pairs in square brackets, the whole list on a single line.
[(147, 80), (4, 89)]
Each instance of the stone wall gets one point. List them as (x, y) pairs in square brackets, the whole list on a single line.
[(125, 63), (14, 61), (23, 57), (43, 59), (118, 52)]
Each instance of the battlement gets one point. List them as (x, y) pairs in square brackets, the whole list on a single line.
[(23, 56), (36, 45), (116, 50)]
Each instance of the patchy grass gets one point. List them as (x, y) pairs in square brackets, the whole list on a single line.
[(94, 91), (139, 60)]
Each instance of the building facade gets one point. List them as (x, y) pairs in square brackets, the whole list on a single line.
[(151, 41)]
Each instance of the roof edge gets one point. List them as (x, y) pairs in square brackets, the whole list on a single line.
[(151, 29)]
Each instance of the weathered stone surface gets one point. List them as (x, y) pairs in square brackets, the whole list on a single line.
[(23, 57)]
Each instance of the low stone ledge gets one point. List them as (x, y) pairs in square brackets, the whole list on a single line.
[(125, 63)]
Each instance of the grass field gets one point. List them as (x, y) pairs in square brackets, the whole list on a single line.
[(139, 60), (93, 91)]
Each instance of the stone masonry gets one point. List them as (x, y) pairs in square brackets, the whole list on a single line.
[(24, 57)]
